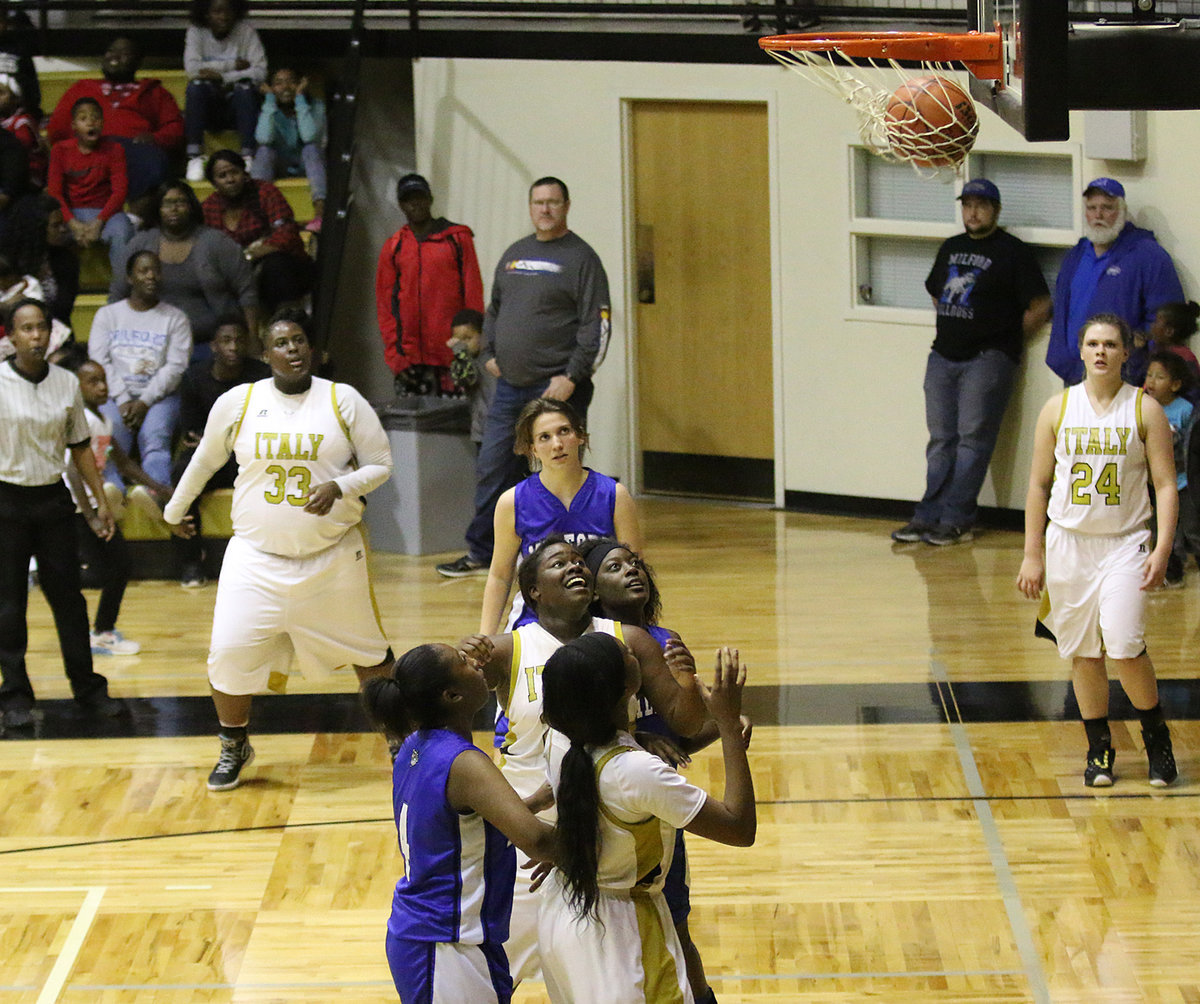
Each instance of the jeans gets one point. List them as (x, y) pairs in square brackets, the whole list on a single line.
[(41, 521), (147, 165), (208, 105), (964, 406), (153, 438), (117, 232), (269, 165), (497, 468)]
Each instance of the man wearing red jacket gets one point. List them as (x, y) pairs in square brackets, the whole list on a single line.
[(427, 273), (141, 115)]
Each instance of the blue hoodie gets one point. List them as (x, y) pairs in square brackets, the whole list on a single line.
[(1138, 278)]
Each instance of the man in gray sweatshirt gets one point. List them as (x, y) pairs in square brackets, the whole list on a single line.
[(545, 333)]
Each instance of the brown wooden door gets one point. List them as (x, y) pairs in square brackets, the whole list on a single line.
[(704, 360)]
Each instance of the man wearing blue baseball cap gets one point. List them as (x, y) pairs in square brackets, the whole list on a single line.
[(1116, 268), (990, 295)]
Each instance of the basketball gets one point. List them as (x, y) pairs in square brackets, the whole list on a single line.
[(930, 121)]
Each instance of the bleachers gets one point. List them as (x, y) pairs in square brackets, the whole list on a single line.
[(94, 281), (95, 273)]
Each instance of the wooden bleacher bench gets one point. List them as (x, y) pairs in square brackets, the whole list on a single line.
[(95, 273)]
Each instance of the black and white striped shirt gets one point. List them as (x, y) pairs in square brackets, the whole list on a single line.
[(38, 421)]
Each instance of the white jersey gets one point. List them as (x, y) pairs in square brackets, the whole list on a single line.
[(286, 445), (633, 953), (1100, 470), (523, 760)]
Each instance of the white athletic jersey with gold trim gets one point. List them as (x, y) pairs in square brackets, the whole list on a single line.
[(523, 760), (287, 444), (1100, 471)]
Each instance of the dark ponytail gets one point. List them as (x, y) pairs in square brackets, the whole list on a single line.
[(581, 685), (1180, 318), (411, 698)]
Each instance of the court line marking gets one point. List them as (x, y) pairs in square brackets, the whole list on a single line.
[(84, 917), (1011, 897)]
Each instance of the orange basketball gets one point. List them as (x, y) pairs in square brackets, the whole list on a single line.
[(930, 121)]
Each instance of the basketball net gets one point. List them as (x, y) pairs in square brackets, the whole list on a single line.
[(837, 63)]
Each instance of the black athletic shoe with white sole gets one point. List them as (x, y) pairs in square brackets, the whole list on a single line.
[(227, 774), (1099, 771), (1160, 756)]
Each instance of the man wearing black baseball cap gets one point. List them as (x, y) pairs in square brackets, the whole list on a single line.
[(1116, 268), (990, 295)]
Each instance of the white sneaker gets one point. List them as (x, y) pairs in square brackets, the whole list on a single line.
[(195, 168), (140, 498), (113, 643)]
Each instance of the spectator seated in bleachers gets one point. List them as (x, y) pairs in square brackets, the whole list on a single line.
[(16, 56), (87, 176), (14, 287), (225, 63), (257, 215), (37, 243), (141, 115), (204, 273), (24, 127), (291, 137), (144, 346), (202, 384)]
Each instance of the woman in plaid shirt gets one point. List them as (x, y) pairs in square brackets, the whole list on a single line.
[(257, 216)]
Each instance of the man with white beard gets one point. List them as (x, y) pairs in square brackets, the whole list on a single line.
[(1116, 268)]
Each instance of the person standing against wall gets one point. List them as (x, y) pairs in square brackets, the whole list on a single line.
[(990, 296), (545, 333)]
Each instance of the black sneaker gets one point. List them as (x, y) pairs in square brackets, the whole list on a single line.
[(1161, 757), (192, 577), (910, 533), (944, 536), (464, 566), (1099, 771), (227, 774)]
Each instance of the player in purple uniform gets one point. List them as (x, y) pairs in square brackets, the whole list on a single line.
[(455, 815), (626, 592), (561, 496)]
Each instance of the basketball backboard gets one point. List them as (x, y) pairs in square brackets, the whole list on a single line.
[(1064, 54), (1033, 96)]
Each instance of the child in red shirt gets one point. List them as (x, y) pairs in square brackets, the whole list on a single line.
[(21, 124), (87, 177)]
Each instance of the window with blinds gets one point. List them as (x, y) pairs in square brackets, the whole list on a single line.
[(900, 218)]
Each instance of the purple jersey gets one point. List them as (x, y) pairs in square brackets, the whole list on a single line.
[(459, 869), (539, 513)]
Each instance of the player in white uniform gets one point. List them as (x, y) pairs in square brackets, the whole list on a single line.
[(557, 585), (294, 578), (1093, 446), (604, 929)]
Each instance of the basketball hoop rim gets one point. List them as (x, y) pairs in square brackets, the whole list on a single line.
[(981, 52)]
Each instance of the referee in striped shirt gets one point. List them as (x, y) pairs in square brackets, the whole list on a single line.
[(41, 417)]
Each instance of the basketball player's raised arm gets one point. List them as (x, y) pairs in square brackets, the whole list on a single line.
[(1032, 576), (1160, 460), (505, 551), (732, 819), (678, 700), (215, 446), (493, 654)]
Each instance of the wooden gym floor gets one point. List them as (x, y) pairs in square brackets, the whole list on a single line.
[(924, 832)]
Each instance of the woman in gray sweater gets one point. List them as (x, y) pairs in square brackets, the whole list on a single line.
[(204, 273)]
